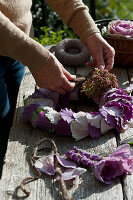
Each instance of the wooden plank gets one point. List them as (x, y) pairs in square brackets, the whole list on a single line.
[(17, 167), (125, 79), (21, 142), (128, 180), (105, 144), (82, 71), (122, 76), (90, 188)]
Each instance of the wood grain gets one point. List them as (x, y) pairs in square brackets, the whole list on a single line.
[(23, 138)]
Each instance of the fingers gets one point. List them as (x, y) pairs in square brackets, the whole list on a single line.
[(62, 87), (102, 53), (100, 59), (103, 60), (68, 75), (109, 59), (65, 88), (68, 86), (94, 64), (53, 76)]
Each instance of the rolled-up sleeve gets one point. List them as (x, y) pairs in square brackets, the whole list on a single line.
[(76, 15), (16, 44)]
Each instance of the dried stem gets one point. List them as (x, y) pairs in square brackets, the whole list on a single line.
[(65, 194), (38, 174)]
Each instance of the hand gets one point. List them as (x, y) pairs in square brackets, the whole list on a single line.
[(53, 76), (102, 53)]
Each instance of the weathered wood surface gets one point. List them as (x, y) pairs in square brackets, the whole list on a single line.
[(128, 181), (23, 138)]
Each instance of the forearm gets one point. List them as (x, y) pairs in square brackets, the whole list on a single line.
[(17, 45), (76, 15)]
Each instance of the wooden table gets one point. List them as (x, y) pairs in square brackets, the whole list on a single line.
[(23, 138)]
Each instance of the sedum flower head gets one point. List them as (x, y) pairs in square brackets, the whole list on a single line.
[(99, 83)]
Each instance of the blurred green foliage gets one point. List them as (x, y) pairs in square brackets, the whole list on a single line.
[(114, 9), (43, 15), (104, 10), (48, 36), (124, 8), (49, 29)]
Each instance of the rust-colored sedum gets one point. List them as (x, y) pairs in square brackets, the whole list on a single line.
[(100, 81)]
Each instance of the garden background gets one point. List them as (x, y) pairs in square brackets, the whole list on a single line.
[(49, 29)]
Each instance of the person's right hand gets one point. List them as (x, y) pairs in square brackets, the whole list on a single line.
[(101, 52), (53, 76)]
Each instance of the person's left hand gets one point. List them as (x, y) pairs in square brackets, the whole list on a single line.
[(101, 52)]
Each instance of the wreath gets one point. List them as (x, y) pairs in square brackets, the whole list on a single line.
[(48, 110)]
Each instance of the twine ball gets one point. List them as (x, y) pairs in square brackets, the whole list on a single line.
[(72, 52)]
